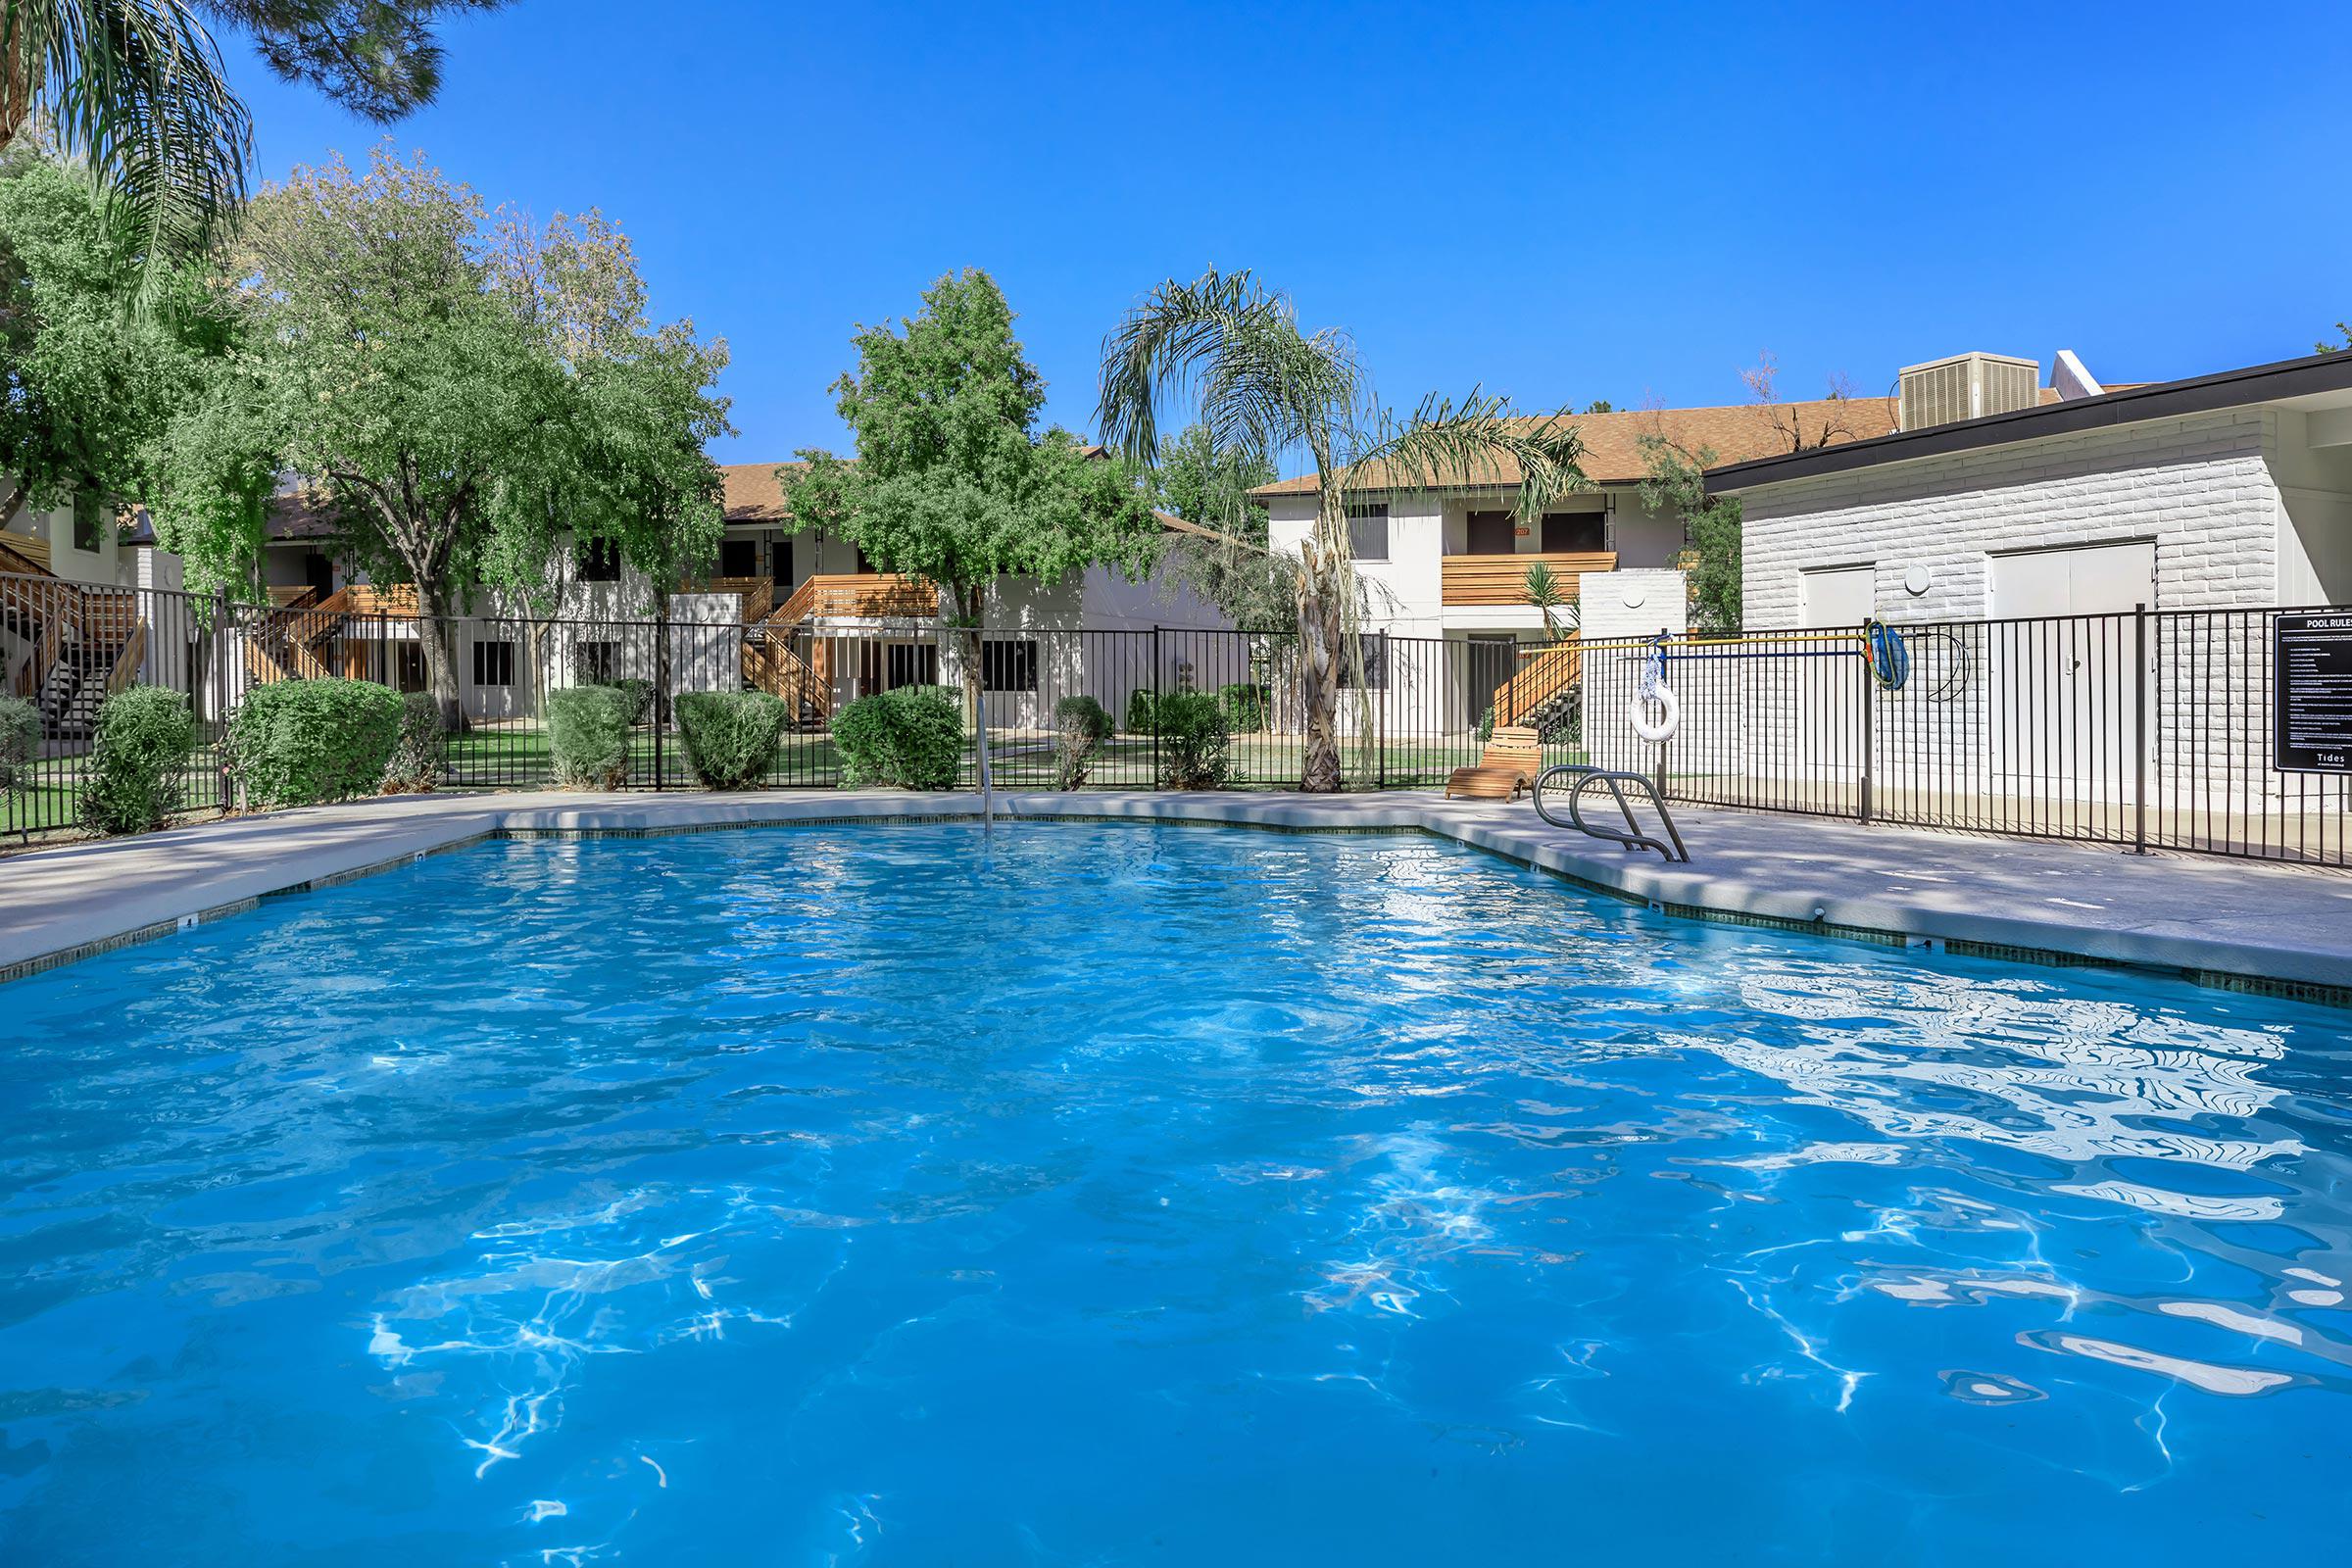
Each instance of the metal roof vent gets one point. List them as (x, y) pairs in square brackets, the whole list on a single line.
[(1967, 386)]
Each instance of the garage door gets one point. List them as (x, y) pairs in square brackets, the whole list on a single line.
[(2060, 665)]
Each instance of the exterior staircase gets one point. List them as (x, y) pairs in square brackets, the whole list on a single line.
[(1547, 688)]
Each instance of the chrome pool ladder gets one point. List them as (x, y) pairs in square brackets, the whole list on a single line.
[(1580, 777)]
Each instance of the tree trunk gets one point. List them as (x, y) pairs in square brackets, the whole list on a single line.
[(970, 603), (1322, 599), (440, 668)]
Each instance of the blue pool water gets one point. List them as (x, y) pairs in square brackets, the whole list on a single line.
[(1134, 1195)]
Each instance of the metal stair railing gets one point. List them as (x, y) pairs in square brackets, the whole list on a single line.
[(1580, 777)]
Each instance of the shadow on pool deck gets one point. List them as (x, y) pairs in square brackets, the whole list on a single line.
[(2222, 921)]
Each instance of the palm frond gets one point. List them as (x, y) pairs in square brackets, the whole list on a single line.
[(135, 89), (1477, 441), (1232, 351)]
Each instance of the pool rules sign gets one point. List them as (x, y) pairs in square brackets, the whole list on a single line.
[(2311, 719)]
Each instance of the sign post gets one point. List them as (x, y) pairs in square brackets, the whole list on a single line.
[(2310, 709)]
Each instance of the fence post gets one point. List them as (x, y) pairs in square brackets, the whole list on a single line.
[(660, 683), (2140, 729), (1155, 686), (1869, 721)]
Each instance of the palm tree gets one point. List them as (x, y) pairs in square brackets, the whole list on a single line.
[(135, 89), (1543, 592), (1264, 387)]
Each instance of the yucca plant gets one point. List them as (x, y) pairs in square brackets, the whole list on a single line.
[(1543, 592), (1264, 387)]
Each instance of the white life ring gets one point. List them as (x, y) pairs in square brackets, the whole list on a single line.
[(1637, 713)]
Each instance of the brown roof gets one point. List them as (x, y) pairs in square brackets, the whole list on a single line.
[(1612, 441), (754, 496)]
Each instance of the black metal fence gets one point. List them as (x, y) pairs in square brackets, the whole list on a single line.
[(2151, 728), (66, 646), (2146, 729)]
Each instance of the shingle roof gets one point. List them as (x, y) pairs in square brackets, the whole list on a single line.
[(754, 495), (1612, 441)]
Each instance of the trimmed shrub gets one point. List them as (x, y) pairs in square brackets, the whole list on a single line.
[(137, 757), (637, 694), (588, 737), (1080, 727), (1142, 711), (730, 736), (20, 743), (422, 752), (1244, 708), (912, 737), (303, 742), (1192, 742)]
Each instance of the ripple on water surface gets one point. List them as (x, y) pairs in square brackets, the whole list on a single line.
[(1124, 1194)]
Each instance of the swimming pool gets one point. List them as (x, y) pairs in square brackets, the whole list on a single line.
[(1132, 1194)]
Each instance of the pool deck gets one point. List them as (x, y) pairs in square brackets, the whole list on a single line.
[(2222, 921)]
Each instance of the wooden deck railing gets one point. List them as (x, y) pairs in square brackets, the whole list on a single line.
[(869, 594), (1502, 579)]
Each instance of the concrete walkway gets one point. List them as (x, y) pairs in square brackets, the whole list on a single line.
[(2217, 919)]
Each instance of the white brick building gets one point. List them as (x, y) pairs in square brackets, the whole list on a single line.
[(2230, 490)]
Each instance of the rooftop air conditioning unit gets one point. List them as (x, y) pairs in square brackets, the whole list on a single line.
[(1968, 386)]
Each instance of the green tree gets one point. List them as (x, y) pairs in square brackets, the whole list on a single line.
[(2343, 329), (1264, 386), (86, 394), (1601, 406), (136, 89), (1675, 478), (1231, 566), (460, 396), (953, 483)]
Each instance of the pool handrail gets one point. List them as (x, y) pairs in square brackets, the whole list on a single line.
[(1582, 776)]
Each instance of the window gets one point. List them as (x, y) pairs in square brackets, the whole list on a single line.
[(779, 559), (1572, 532), (493, 663), (1493, 533), (863, 564), (596, 661), (739, 558), (600, 561), (913, 665), (1374, 646), (89, 521), (409, 668), (1368, 533), (1008, 667)]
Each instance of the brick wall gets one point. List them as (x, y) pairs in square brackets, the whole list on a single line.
[(2201, 487)]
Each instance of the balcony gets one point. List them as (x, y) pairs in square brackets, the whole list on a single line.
[(1466, 581), (866, 594)]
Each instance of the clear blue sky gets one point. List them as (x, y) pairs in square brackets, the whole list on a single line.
[(1564, 203)]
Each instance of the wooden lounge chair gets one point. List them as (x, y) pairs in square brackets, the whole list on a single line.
[(1513, 757)]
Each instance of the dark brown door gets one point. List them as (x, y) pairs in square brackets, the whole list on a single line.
[(1492, 534), (1575, 532)]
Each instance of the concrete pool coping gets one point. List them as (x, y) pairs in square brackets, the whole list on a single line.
[(2224, 923)]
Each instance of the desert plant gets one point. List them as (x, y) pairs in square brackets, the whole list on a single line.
[(1143, 708), (1193, 740), (588, 737), (1546, 593), (1244, 708), (1080, 727), (138, 755), (414, 766), (912, 737), (20, 743), (730, 736), (303, 742)]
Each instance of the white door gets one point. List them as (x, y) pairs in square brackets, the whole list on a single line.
[(2060, 667), (1822, 680)]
